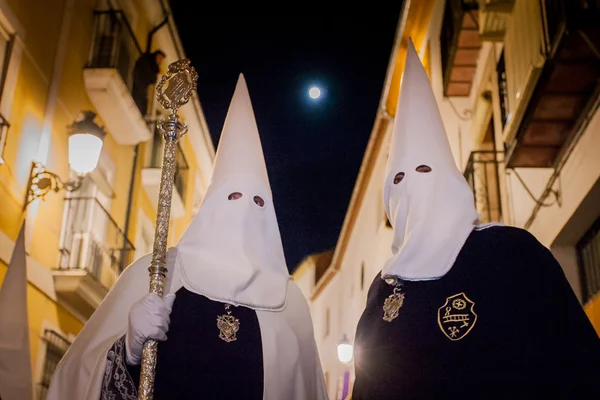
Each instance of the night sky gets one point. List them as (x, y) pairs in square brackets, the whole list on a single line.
[(313, 149)]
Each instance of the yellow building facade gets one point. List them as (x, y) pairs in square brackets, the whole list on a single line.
[(60, 58)]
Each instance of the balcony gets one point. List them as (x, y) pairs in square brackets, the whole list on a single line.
[(567, 91), (460, 45), (56, 347), (494, 16), (4, 125), (108, 78), (483, 177), (93, 253), (152, 172)]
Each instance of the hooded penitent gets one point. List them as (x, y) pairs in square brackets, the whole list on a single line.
[(427, 199), (232, 250), (231, 253)]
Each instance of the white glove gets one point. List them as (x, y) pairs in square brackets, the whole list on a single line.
[(148, 319)]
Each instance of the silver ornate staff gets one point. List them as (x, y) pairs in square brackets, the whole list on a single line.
[(181, 80)]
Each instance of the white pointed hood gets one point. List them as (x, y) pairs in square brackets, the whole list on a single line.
[(232, 250), (433, 212), (15, 359)]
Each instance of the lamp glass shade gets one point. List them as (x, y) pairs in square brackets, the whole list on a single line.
[(84, 152), (345, 351)]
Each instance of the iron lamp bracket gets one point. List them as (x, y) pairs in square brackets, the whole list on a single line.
[(41, 182)]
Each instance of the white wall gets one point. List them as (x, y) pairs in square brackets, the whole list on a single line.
[(580, 173)]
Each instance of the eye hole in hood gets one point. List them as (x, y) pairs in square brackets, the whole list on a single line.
[(259, 201), (234, 196), (399, 176)]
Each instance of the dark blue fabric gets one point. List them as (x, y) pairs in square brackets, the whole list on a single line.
[(531, 337), (194, 363)]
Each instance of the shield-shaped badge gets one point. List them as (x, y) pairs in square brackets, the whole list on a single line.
[(456, 317)]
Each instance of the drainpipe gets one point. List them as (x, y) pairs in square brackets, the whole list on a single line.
[(153, 31), (167, 14), (136, 152)]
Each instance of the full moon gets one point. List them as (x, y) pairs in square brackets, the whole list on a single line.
[(314, 92)]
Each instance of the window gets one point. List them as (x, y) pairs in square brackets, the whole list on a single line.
[(362, 275), (114, 45), (482, 174), (6, 45), (503, 90), (588, 254), (181, 173), (145, 237), (91, 240), (56, 347), (4, 125)]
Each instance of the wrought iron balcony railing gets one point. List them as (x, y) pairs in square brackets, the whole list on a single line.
[(483, 177), (493, 19), (588, 252), (114, 44), (92, 241), (56, 347)]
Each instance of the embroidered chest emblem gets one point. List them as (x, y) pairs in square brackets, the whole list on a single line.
[(457, 317), (228, 326), (391, 306)]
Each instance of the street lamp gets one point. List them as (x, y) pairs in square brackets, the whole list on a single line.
[(85, 144), (345, 350)]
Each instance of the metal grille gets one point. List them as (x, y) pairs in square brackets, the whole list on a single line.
[(503, 89), (115, 45), (482, 175), (588, 252), (56, 347), (92, 240)]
